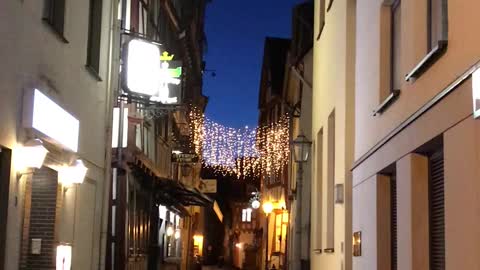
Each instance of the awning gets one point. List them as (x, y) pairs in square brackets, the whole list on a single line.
[(171, 193), (174, 190)]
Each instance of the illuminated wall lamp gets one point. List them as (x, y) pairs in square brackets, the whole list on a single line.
[(31, 155), (170, 231), (74, 174), (177, 234)]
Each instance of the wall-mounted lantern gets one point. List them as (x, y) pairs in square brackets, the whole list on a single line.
[(357, 244), (301, 149), (31, 155), (177, 234), (73, 174)]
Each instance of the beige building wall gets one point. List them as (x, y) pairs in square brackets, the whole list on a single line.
[(333, 89), (301, 124), (449, 118), (33, 56)]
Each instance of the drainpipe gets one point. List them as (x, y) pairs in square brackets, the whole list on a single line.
[(109, 100), (298, 220)]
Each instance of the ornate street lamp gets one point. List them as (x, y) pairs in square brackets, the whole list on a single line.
[(301, 151), (301, 148), (267, 208), (255, 204), (255, 200)]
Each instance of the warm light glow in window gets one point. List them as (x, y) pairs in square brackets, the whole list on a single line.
[(198, 245), (247, 215)]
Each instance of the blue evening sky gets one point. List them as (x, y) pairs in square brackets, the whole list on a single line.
[(236, 30)]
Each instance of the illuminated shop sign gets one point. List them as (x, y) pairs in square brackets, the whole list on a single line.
[(49, 120), (150, 73), (185, 158), (476, 93)]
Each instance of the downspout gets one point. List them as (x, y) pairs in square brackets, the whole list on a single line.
[(109, 100)]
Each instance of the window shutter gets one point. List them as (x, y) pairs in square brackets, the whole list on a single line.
[(437, 212)]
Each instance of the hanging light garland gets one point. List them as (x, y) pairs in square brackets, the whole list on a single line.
[(243, 152)]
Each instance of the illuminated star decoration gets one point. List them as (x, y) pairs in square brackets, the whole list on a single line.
[(242, 152)]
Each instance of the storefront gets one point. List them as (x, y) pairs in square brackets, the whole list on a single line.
[(48, 163), (155, 209), (278, 227)]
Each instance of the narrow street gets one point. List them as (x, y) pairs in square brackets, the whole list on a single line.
[(256, 135)]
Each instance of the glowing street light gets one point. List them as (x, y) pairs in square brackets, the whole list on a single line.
[(255, 204), (267, 208)]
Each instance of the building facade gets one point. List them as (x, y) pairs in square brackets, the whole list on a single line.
[(156, 220), (273, 107), (415, 176), (56, 101), (299, 95), (245, 235), (332, 133)]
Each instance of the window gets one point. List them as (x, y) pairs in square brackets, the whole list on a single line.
[(281, 227), (331, 184), (437, 211), (54, 15), (437, 23), (436, 39), (247, 215), (396, 75), (94, 35), (321, 18)]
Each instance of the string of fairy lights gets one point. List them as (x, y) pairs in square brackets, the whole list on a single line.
[(243, 152)]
